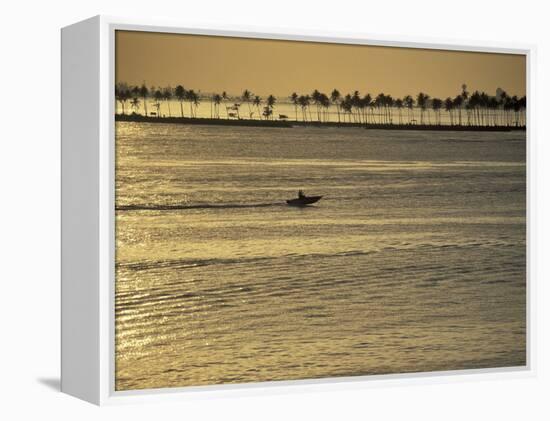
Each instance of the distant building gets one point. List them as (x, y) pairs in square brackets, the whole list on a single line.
[(499, 93)]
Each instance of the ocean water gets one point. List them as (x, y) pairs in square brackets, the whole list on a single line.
[(413, 261)]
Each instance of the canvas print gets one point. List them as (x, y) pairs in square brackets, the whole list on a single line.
[(302, 210)]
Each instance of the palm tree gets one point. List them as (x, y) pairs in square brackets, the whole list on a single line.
[(135, 104), (356, 104), (493, 106), (180, 95), (167, 96), (217, 98), (465, 95), (191, 96), (361, 107), (436, 106), (509, 106), (379, 104), (372, 106), (474, 102), (422, 101), (315, 96), (257, 102), (449, 109), (523, 109), (347, 107), (303, 101), (135, 95), (122, 94), (246, 97), (457, 103), (409, 103), (367, 105), (485, 100), (294, 99), (270, 104), (399, 106), (335, 99), (308, 100), (324, 101), (386, 102), (212, 106), (144, 93), (158, 97), (389, 102), (516, 107), (223, 100), (503, 102), (196, 101)]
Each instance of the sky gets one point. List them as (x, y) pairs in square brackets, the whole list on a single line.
[(216, 64)]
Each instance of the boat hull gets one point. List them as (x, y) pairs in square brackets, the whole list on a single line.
[(303, 201)]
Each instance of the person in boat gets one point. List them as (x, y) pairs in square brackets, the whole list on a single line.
[(301, 194)]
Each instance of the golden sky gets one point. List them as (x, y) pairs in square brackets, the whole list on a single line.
[(216, 64)]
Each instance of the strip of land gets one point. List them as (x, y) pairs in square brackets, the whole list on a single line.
[(290, 124)]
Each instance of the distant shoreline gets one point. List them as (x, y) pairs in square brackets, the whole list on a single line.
[(291, 123)]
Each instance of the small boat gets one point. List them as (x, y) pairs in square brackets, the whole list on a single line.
[(303, 200)]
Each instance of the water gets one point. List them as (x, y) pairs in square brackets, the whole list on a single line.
[(413, 261)]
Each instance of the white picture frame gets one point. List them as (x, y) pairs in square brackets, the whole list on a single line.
[(88, 235)]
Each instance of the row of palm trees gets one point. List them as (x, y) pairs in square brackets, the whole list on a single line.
[(256, 105), (476, 109), (133, 96)]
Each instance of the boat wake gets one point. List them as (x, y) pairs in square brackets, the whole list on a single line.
[(193, 263), (170, 207)]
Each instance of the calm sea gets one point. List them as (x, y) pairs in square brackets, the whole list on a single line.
[(414, 260)]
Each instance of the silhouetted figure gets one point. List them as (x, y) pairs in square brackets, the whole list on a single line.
[(301, 194)]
